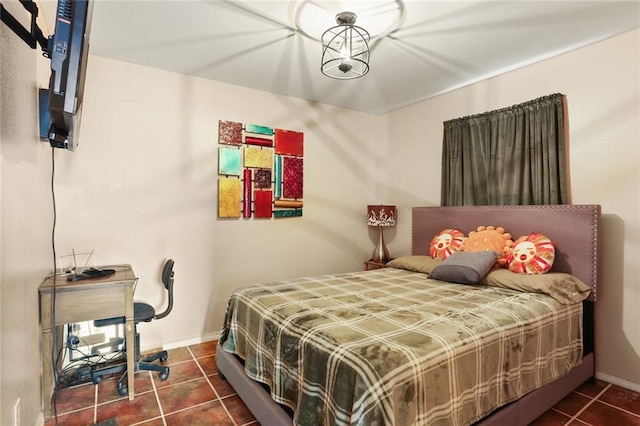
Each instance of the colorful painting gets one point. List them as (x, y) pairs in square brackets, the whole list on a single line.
[(263, 204), (258, 157), (229, 197), (229, 161), (260, 171), (229, 133), (262, 179), (289, 143), (292, 178)]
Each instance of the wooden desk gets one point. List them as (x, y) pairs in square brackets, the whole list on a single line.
[(79, 301)]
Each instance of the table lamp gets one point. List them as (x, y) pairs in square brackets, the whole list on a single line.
[(381, 216)]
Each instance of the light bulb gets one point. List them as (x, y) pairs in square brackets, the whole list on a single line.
[(345, 60)]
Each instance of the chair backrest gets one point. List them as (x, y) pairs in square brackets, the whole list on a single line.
[(167, 280)]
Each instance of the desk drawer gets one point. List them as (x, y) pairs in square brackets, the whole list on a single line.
[(88, 304)]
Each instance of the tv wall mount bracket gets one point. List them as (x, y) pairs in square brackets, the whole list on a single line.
[(33, 36)]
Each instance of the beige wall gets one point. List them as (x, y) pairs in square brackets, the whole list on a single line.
[(142, 187), (602, 86), (25, 229)]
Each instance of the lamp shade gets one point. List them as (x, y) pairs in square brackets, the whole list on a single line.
[(380, 215)]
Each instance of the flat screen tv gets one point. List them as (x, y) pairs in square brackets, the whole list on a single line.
[(68, 49)]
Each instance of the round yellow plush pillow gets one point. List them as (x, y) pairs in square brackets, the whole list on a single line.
[(490, 238), (532, 254), (446, 242)]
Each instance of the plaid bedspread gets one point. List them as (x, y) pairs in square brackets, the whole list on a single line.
[(391, 347)]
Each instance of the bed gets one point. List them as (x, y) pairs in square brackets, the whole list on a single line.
[(316, 372)]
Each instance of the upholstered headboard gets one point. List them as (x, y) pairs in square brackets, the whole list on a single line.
[(573, 228)]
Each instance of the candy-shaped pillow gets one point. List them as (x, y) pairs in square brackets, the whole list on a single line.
[(532, 254), (446, 242), (489, 238)]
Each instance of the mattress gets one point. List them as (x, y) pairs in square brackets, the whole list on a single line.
[(392, 347)]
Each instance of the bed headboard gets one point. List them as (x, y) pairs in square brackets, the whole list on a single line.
[(573, 228)]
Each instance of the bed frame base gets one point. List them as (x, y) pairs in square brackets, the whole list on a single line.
[(252, 393), (519, 413), (531, 406)]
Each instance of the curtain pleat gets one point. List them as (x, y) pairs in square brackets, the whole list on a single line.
[(514, 155)]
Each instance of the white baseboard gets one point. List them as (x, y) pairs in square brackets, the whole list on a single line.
[(184, 342), (618, 381)]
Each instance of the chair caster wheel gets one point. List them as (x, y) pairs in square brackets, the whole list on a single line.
[(164, 375), (164, 357), (123, 391), (96, 380)]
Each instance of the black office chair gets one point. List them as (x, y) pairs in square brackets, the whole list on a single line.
[(142, 312)]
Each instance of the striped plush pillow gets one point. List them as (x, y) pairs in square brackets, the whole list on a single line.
[(447, 241), (532, 254)]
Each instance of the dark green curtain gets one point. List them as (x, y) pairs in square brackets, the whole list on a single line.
[(511, 156)]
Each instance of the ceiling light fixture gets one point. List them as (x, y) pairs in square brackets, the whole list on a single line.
[(345, 49)]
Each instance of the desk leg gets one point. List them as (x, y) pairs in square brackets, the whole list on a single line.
[(46, 340), (130, 341), (47, 384), (47, 372)]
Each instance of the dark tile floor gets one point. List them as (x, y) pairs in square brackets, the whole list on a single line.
[(195, 395)]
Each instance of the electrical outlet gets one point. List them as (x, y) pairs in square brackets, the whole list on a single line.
[(16, 413)]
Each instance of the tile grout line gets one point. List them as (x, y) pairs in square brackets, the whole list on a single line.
[(617, 407), (218, 398), (95, 404), (588, 404), (155, 393), (157, 396), (568, 416)]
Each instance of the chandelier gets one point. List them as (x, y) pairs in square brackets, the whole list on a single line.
[(345, 49)]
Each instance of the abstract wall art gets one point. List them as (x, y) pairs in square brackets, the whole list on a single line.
[(260, 171)]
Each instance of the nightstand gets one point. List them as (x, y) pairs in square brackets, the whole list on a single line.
[(370, 264)]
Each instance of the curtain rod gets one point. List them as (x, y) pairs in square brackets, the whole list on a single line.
[(555, 97)]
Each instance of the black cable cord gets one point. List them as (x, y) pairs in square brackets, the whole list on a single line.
[(54, 358), (68, 376), (57, 376)]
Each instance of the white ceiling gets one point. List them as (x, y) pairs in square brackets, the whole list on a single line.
[(423, 47)]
